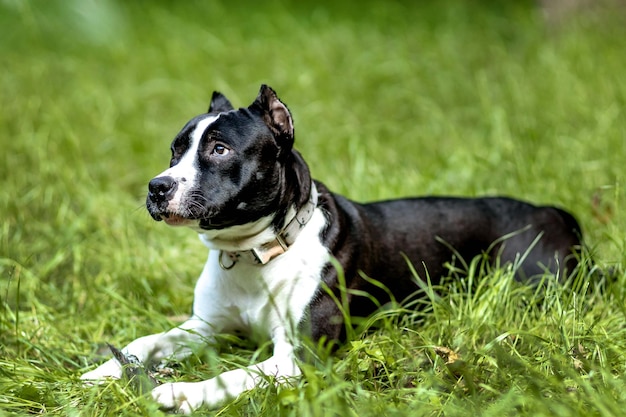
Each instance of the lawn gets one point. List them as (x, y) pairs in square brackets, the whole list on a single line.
[(390, 99)]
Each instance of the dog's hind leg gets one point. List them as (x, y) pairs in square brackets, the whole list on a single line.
[(552, 244)]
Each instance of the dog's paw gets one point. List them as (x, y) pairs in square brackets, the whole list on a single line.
[(109, 369), (181, 397)]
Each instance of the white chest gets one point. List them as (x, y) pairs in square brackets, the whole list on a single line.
[(261, 298)]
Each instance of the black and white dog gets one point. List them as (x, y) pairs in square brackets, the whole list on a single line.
[(272, 230)]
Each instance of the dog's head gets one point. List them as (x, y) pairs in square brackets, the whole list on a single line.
[(228, 167)]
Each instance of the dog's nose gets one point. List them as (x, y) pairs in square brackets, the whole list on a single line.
[(162, 188)]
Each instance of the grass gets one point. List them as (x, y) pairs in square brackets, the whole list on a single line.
[(390, 99)]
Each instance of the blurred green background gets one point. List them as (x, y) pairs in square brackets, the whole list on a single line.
[(389, 98)]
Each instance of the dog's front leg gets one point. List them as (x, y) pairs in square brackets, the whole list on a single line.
[(175, 343), (184, 397)]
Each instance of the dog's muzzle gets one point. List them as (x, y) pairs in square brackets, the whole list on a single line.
[(160, 191)]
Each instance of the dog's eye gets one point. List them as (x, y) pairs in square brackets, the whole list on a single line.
[(220, 150)]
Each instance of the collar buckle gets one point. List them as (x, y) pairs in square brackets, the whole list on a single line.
[(264, 254)]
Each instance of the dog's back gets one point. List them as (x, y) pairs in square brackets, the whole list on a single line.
[(433, 232)]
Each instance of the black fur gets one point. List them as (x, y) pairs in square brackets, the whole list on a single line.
[(379, 238), (376, 239)]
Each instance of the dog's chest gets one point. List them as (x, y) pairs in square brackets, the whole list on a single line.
[(260, 298)]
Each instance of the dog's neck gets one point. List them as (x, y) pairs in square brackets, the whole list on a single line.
[(258, 242)]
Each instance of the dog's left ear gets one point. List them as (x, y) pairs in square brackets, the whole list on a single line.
[(219, 103), (276, 115)]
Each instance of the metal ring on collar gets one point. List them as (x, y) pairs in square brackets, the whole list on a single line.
[(224, 267)]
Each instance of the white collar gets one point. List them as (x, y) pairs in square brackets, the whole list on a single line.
[(264, 253)]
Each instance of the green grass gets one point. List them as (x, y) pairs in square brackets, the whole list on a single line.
[(390, 99)]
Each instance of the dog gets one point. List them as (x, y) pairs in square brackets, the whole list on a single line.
[(273, 232)]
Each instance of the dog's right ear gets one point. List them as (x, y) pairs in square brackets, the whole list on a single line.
[(275, 115), (219, 103)]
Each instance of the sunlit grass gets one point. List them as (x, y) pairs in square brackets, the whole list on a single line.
[(389, 99)]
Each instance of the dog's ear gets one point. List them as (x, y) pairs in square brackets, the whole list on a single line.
[(219, 103), (276, 115)]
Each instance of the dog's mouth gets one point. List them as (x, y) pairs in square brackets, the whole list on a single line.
[(173, 219), (172, 216), (206, 220)]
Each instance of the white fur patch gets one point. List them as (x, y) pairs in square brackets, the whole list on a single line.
[(251, 296), (240, 237), (186, 171), (264, 301)]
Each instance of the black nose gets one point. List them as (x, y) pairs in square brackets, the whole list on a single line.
[(162, 188)]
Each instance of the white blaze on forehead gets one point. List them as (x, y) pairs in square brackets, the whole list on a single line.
[(187, 166), (185, 172)]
